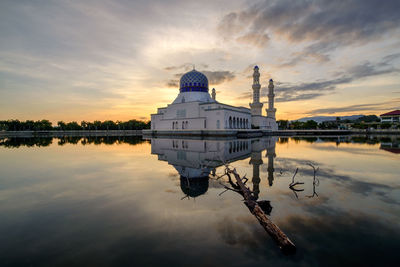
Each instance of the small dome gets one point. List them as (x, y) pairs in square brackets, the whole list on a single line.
[(193, 81), (255, 67)]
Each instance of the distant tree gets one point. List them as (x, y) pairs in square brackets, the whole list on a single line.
[(97, 125), (73, 126), (360, 126), (84, 125), (61, 125), (283, 124), (14, 125), (109, 125), (42, 125), (119, 125), (3, 126), (385, 125), (29, 124), (297, 125), (325, 125), (368, 118), (310, 124)]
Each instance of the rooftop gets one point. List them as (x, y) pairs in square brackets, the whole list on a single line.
[(391, 113)]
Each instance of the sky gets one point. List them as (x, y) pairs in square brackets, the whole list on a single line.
[(117, 59)]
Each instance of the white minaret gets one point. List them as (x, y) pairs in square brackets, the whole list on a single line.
[(256, 106), (271, 110), (213, 94)]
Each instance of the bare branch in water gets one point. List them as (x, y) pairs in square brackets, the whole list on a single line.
[(315, 180), (258, 209), (293, 184)]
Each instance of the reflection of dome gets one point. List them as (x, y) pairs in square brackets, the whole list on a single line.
[(192, 172), (194, 187), (194, 81)]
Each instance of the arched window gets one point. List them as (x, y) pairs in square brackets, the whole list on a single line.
[(241, 123), (217, 124), (230, 122), (187, 125), (173, 125), (183, 125)]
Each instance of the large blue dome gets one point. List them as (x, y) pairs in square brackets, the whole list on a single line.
[(193, 81)]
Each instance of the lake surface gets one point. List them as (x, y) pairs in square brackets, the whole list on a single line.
[(130, 202)]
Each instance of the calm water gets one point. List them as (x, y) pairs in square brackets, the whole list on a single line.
[(129, 202)]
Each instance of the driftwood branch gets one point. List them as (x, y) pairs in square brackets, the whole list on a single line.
[(293, 184), (315, 180), (284, 243)]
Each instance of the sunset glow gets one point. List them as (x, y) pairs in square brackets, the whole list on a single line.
[(120, 60)]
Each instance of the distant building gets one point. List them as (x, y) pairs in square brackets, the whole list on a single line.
[(195, 109), (391, 117)]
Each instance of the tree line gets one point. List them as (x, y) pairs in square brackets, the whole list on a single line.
[(16, 142), (365, 122), (46, 125)]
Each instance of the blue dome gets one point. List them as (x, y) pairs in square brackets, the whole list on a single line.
[(193, 81)]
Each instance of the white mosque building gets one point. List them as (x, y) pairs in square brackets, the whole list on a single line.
[(194, 109)]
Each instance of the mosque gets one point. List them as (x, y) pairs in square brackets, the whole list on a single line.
[(195, 110)]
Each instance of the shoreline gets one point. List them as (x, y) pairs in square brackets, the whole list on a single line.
[(77, 133), (245, 133)]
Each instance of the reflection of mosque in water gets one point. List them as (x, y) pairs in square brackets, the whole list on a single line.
[(195, 159)]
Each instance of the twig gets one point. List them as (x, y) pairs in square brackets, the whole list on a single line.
[(315, 181)]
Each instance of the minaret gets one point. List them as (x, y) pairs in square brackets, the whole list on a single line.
[(213, 94), (256, 106), (271, 110), (256, 161), (271, 155)]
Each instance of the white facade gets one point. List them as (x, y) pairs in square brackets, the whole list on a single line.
[(195, 109)]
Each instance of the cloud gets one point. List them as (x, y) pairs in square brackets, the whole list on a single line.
[(387, 105), (185, 67), (256, 39), (381, 191), (287, 92), (218, 77), (214, 77), (321, 25), (173, 83)]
